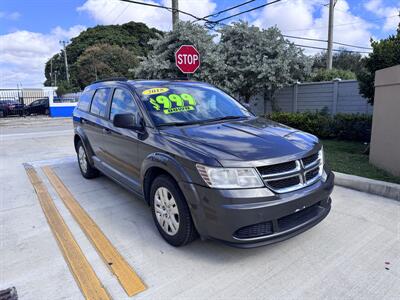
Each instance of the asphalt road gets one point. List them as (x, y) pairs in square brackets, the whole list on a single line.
[(353, 254)]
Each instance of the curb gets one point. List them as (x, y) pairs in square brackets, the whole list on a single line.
[(371, 186)]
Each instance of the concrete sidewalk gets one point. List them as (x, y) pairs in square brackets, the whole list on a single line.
[(341, 258)]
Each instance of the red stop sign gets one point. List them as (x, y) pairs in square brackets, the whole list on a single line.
[(187, 59)]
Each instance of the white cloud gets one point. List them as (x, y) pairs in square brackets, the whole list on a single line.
[(118, 12), (12, 16), (24, 54), (298, 18), (389, 12)]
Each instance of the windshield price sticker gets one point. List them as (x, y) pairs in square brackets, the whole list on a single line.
[(155, 91), (174, 103)]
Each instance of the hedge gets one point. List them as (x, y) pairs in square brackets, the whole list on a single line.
[(352, 127)]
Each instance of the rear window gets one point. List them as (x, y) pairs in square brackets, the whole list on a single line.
[(99, 103), (85, 99)]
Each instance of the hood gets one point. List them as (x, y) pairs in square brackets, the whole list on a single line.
[(244, 140)]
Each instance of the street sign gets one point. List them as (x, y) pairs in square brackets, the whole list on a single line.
[(187, 59)]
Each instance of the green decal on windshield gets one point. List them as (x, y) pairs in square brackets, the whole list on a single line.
[(174, 103)]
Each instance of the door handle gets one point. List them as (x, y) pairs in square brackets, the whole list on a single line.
[(106, 131)]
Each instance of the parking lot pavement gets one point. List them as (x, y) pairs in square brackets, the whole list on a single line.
[(353, 253)]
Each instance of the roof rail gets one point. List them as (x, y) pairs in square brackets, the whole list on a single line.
[(111, 79)]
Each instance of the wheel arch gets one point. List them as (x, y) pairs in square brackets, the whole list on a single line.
[(80, 136), (157, 164)]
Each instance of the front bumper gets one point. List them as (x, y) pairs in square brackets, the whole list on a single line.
[(255, 217)]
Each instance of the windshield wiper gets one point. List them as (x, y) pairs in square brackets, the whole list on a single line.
[(226, 118), (201, 121), (179, 123)]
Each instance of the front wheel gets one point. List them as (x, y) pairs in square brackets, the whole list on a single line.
[(87, 170), (171, 213)]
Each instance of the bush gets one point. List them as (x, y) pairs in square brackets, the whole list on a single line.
[(352, 127), (328, 75)]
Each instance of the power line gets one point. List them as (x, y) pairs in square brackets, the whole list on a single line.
[(121, 13), (336, 50), (343, 24), (228, 9), (320, 40), (246, 11), (167, 8), (313, 39)]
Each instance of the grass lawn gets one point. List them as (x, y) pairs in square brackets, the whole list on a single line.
[(347, 157)]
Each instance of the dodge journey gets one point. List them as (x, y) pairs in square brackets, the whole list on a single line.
[(205, 165)]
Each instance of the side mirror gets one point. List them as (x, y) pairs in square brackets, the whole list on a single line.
[(128, 121)]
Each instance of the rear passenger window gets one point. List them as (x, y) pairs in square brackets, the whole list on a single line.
[(85, 99), (99, 103), (122, 102)]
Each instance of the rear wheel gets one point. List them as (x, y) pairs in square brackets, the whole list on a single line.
[(171, 213), (87, 170)]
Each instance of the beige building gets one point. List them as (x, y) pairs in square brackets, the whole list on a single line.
[(385, 139)]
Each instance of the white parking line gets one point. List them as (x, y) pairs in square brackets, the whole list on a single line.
[(28, 135)]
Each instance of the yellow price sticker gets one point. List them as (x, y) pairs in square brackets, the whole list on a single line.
[(173, 103), (155, 91)]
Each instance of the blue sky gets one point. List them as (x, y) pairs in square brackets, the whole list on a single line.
[(30, 29)]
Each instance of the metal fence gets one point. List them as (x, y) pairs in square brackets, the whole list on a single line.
[(19, 101), (338, 96)]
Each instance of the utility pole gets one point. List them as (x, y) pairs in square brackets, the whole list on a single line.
[(175, 14), (51, 72), (330, 33), (64, 43)]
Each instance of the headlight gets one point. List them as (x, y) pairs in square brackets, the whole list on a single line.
[(230, 178), (322, 172)]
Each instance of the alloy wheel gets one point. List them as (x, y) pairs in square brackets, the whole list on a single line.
[(82, 159), (166, 211)]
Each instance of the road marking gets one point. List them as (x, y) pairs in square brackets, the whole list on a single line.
[(35, 134), (83, 273), (127, 277)]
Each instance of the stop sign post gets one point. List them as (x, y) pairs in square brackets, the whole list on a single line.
[(187, 59)]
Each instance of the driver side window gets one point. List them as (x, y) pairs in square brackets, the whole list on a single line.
[(122, 103)]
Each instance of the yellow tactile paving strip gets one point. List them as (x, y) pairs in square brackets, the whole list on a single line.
[(85, 276), (129, 280)]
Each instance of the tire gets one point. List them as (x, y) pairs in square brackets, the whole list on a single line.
[(87, 170), (175, 209), (46, 111), (3, 114)]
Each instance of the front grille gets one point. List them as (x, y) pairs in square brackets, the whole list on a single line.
[(282, 224), (253, 231), (310, 175), (310, 159), (284, 183), (298, 218), (278, 168), (292, 175)]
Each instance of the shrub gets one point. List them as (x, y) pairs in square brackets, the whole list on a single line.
[(353, 127), (328, 75)]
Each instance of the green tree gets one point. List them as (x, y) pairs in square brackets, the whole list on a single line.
[(131, 36), (102, 61), (160, 63), (386, 53), (343, 60), (259, 61), (327, 75), (63, 88)]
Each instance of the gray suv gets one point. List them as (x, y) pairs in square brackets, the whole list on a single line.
[(205, 165)]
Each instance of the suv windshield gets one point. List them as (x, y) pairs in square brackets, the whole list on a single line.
[(186, 103)]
